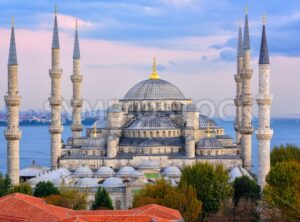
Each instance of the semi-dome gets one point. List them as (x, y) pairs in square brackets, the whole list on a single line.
[(171, 171), (126, 171), (152, 122), (205, 122), (83, 171), (113, 182), (154, 89), (149, 164), (87, 182), (209, 142), (105, 171)]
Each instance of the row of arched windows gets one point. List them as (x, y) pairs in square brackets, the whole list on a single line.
[(152, 134)]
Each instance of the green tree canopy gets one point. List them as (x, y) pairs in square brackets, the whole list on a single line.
[(44, 189), (211, 184), (183, 199), (24, 188), (283, 190), (245, 188), (68, 198), (4, 185), (285, 153), (102, 200)]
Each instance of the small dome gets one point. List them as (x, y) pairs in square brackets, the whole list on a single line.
[(126, 171), (113, 182), (64, 172), (33, 182), (137, 173), (33, 170), (87, 182), (238, 171), (149, 164), (58, 181), (205, 122), (209, 142), (152, 122), (83, 171), (154, 89), (171, 171), (105, 171), (101, 122)]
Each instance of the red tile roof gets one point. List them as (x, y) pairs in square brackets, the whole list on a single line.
[(23, 208)]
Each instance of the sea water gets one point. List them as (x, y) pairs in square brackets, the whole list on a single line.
[(35, 142)]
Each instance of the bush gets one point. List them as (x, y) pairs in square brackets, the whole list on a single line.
[(24, 188), (283, 190), (245, 188), (183, 199), (4, 185), (211, 184), (285, 153), (68, 198), (102, 200), (44, 189)]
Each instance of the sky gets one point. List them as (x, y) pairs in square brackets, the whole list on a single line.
[(194, 42)]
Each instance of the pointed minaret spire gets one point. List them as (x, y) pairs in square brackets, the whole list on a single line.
[(12, 100), (264, 52), (55, 100), (246, 42), (76, 52), (55, 38), (240, 43), (76, 79), (246, 128), (264, 99), (12, 58)]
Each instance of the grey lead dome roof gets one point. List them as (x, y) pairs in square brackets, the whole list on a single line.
[(154, 89)]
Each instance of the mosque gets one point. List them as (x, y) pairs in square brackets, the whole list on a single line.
[(154, 131)]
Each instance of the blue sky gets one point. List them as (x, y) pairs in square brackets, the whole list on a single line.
[(194, 42)]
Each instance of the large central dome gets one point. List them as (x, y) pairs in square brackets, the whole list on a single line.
[(154, 89)]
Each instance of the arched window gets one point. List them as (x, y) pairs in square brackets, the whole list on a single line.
[(169, 133), (151, 134), (157, 133), (145, 134), (164, 133)]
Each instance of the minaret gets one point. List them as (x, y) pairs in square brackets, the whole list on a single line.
[(264, 100), (76, 79), (56, 99), (12, 100), (246, 129), (238, 80)]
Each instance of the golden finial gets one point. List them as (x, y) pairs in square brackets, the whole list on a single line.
[(76, 24), (55, 9), (208, 129), (264, 19), (12, 21), (154, 74), (95, 131)]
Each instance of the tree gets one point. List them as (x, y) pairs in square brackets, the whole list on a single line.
[(44, 189), (245, 188), (68, 198), (102, 200), (183, 199), (285, 153), (283, 190), (24, 188), (4, 185), (211, 184)]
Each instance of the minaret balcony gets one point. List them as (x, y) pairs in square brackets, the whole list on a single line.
[(13, 134), (246, 130), (55, 129), (264, 99), (238, 101), (12, 100), (264, 134), (246, 74), (76, 102), (237, 78), (77, 127), (55, 101), (76, 78), (55, 73), (247, 100)]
